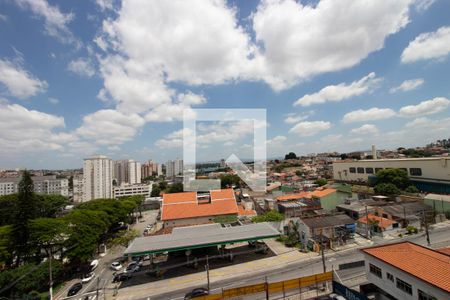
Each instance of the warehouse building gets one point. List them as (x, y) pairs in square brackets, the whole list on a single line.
[(431, 174)]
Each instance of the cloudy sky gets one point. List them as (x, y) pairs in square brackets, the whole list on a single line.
[(115, 77)]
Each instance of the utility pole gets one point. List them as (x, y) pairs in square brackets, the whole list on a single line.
[(367, 223), (426, 228), (207, 271), (98, 282), (323, 253), (50, 274)]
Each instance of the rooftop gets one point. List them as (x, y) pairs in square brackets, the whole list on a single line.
[(317, 193), (200, 236), (423, 263), (186, 205), (381, 222), (445, 198), (328, 221), (394, 159)]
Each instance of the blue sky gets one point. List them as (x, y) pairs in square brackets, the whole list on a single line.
[(84, 77)]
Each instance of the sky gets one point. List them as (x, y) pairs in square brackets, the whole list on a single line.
[(113, 77)]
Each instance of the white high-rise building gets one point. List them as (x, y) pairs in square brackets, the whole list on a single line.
[(97, 178), (78, 189), (134, 172), (160, 169), (127, 172), (174, 167)]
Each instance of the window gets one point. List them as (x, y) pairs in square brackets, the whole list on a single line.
[(375, 270), (360, 170), (390, 277), (406, 287), (352, 170), (425, 296), (369, 170), (415, 171)]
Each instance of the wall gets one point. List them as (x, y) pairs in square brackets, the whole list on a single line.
[(390, 287)]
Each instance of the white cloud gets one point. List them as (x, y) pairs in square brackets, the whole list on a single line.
[(408, 85), (310, 128), (3, 18), (427, 107), (371, 114), (53, 100), (105, 4), (109, 127), (279, 139), (429, 45), (423, 5), (365, 129), (23, 130), (342, 91), (82, 67), (293, 118), (418, 122), (18, 81), (322, 38), (55, 21)]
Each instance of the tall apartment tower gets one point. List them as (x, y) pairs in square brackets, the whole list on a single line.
[(170, 168), (134, 172), (160, 169), (97, 178), (127, 171)]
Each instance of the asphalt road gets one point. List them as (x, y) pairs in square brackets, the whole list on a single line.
[(440, 236)]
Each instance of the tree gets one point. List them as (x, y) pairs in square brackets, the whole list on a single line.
[(156, 191), (412, 189), (45, 233), (386, 189), (270, 216), (290, 155), (225, 219), (175, 188), (344, 156), (5, 246), (124, 237), (228, 180), (397, 177), (26, 210), (321, 181)]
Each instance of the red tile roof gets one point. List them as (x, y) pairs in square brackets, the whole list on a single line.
[(426, 264), (317, 193), (382, 222), (445, 250), (185, 205)]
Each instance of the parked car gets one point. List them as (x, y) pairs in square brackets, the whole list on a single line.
[(88, 277), (138, 260), (74, 289), (336, 297), (94, 264), (132, 267), (196, 293), (116, 266), (121, 277), (146, 257)]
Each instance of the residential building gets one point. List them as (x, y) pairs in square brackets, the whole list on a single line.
[(406, 270), (329, 230), (127, 172), (376, 225), (329, 198), (134, 172), (160, 170), (174, 168), (126, 190), (192, 208), (431, 174), (78, 187), (97, 178), (149, 168), (49, 184)]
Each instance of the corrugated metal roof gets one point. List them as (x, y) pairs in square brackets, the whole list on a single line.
[(328, 221)]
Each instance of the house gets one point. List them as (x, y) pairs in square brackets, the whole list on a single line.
[(406, 270), (355, 209), (376, 225), (408, 213), (299, 208), (329, 198), (192, 208), (329, 230)]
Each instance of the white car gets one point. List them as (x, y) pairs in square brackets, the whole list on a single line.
[(88, 277), (116, 266), (149, 226), (94, 264)]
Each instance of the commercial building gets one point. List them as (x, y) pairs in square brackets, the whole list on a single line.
[(49, 185), (407, 271), (126, 190), (127, 172), (97, 178), (430, 174)]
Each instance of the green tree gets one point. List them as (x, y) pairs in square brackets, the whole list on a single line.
[(397, 177), (270, 216), (386, 189), (412, 189), (8, 209), (48, 233), (124, 237), (228, 180), (156, 191), (225, 219), (5, 246), (290, 155), (26, 210), (321, 181), (175, 188)]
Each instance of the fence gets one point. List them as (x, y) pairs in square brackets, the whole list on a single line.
[(273, 287)]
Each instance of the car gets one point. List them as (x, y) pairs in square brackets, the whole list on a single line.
[(138, 260), (132, 267), (149, 227), (146, 257), (94, 264), (336, 297), (198, 292), (116, 266), (74, 289), (121, 277), (88, 277)]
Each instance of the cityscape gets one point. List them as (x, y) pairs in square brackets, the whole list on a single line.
[(218, 149)]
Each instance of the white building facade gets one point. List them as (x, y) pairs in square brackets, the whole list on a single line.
[(78, 187), (127, 172), (49, 185), (132, 190), (97, 178)]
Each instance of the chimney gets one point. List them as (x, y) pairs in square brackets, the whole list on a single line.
[(374, 152)]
